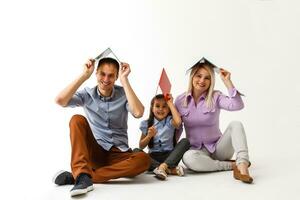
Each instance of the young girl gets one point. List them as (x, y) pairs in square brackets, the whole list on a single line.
[(158, 134)]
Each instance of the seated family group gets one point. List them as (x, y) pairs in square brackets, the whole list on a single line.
[(99, 140)]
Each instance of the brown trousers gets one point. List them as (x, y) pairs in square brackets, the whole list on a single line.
[(89, 157)]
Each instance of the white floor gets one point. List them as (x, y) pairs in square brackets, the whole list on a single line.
[(273, 179)]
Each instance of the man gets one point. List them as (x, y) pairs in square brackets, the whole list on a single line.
[(99, 143)]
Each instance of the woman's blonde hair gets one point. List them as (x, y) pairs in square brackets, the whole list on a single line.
[(209, 96)]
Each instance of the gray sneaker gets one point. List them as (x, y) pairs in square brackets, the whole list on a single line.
[(63, 178), (83, 184)]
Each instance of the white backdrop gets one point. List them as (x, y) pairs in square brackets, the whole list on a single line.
[(43, 45)]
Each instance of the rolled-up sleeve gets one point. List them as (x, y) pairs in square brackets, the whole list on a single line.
[(78, 99), (169, 122), (231, 102)]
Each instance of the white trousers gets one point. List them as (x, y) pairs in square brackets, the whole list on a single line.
[(232, 141)]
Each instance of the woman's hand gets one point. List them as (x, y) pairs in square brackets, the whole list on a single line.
[(226, 78), (224, 74)]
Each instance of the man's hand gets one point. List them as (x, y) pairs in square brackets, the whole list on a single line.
[(88, 68), (124, 71)]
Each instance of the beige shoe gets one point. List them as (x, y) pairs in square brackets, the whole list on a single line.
[(160, 174)]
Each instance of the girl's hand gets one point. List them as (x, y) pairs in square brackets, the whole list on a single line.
[(152, 131), (168, 98)]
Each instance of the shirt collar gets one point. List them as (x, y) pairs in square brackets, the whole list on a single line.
[(156, 122), (106, 98), (204, 108), (202, 97)]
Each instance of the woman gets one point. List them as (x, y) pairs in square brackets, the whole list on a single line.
[(200, 110)]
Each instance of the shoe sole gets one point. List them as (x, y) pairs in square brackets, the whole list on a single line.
[(160, 177), (244, 181), (56, 175), (81, 191)]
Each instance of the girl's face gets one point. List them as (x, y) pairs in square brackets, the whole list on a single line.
[(160, 109), (201, 80)]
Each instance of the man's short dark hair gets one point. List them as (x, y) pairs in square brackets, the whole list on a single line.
[(110, 61)]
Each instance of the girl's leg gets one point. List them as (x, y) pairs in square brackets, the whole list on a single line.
[(154, 164), (153, 157), (175, 156), (157, 158), (157, 165)]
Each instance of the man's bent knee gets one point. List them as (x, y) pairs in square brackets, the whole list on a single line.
[(77, 119)]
